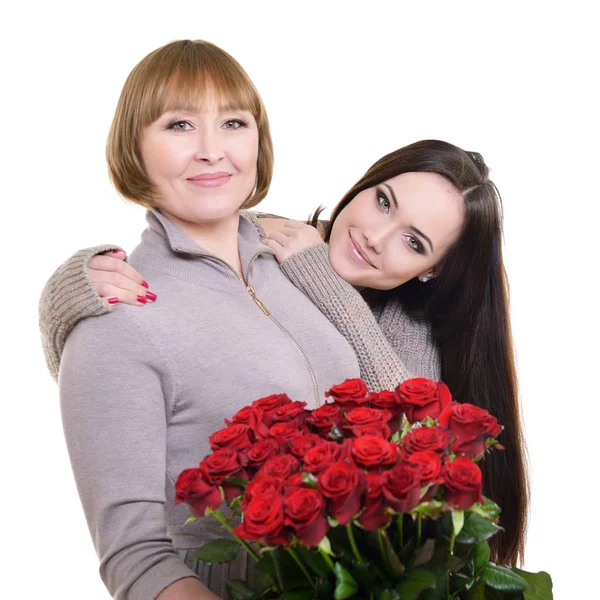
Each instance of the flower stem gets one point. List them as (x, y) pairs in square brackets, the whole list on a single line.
[(219, 516), (383, 552), (419, 523), (293, 554), (353, 542), (400, 525), (327, 559)]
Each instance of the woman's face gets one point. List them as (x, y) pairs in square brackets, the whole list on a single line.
[(396, 231), (202, 165)]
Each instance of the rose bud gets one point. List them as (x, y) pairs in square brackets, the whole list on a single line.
[(263, 520), (284, 432), (293, 411), (462, 479), (252, 416), (282, 466), (422, 398), (470, 427), (262, 485), (192, 489), (343, 484), (269, 404), (361, 417), (220, 465), (301, 444), (261, 452), (373, 515), (386, 400), (236, 436), (430, 464), (373, 453), (402, 487), (303, 509), (349, 394), (325, 417), (322, 456), (422, 439)]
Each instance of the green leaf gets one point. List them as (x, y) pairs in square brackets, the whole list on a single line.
[(237, 481), (191, 519), (325, 546), (346, 585), (481, 555), (477, 592), (396, 437), (458, 520), (217, 551), (425, 553), (237, 589), (313, 560), (309, 480), (389, 595), (489, 509), (432, 508), (416, 581), (304, 594), (503, 578), (475, 529), (541, 585)]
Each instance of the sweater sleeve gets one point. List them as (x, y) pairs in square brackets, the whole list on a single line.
[(68, 297), (386, 357), (115, 409)]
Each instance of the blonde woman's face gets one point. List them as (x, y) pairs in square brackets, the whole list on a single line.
[(396, 231), (202, 165)]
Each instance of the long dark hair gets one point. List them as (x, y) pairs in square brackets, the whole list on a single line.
[(467, 307)]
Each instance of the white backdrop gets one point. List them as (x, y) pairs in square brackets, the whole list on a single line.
[(344, 83)]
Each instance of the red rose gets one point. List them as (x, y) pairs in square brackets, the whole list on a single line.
[(293, 411), (372, 516), (373, 453), (263, 520), (301, 444), (402, 487), (262, 485), (283, 432), (220, 465), (343, 484), (192, 489), (325, 417), (322, 456), (386, 400), (282, 466), (470, 427), (422, 439), (253, 417), (359, 418), (349, 394), (303, 509), (430, 464), (462, 479), (380, 430), (261, 452), (421, 398), (236, 436), (269, 404)]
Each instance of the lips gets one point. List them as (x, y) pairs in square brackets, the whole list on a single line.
[(210, 179), (362, 258)]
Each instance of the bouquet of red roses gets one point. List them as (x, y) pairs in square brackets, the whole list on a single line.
[(374, 495)]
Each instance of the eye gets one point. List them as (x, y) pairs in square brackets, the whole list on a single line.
[(234, 124), (383, 202), (414, 243), (180, 126)]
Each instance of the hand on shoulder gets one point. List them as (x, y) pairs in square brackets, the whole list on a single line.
[(288, 237)]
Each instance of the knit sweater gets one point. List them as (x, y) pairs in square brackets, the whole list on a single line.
[(142, 390), (390, 345)]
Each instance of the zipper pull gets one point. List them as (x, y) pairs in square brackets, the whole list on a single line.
[(255, 298)]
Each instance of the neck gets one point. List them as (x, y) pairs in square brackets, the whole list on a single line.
[(219, 237)]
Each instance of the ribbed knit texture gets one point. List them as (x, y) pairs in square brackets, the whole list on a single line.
[(390, 346), (67, 298)]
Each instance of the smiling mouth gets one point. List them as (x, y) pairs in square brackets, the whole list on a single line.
[(358, 254)]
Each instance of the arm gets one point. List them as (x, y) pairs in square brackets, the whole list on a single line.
[(115, 407), (75, 292), (386, 357)]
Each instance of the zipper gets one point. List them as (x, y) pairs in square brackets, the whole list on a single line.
[(266, 311)]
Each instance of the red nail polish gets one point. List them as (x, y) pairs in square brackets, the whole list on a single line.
[(142, 299), (115, 251), (113, 300), (151, 296), (145, 284)]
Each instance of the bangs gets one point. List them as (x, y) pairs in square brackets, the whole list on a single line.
[(197, 79)]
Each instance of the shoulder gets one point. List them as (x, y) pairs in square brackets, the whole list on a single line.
[(271, 224)]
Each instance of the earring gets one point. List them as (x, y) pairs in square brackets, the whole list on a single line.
[(424, 279)]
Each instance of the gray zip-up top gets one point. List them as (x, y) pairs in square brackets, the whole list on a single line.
[(141, 391)]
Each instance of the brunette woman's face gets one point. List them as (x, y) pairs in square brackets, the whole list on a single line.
[(396, 231), (203, 165)]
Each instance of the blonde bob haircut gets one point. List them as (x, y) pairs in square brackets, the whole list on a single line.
[(180, 77)]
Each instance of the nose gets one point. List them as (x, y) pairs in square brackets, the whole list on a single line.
[(376, 237), (210, 149)]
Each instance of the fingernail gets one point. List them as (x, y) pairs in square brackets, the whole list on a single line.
[(151, 296), (115, 251), (145, 284), (113, 300), (142, 299)]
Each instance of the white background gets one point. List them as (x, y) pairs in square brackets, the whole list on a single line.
[(344, 83)]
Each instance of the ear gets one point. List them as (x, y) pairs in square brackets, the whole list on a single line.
[(424, 277)]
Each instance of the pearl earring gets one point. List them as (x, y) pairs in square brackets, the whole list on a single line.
[(424, 279)]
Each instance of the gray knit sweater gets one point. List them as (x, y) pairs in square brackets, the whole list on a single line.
[(142, 390), (390, 346)]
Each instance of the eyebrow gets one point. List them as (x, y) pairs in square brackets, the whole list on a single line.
[(417, 231)]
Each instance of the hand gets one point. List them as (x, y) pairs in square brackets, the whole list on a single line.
[(294, 237), (113, 279)]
